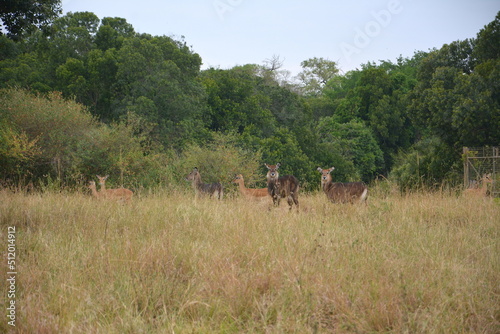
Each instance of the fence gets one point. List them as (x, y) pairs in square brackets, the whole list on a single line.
[(479, 161)]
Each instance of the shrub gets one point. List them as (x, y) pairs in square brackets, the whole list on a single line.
[(219, 160), (428, 164), (57, 140), (356, 145)]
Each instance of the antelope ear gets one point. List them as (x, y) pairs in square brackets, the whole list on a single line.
[(106, 177), (278, 165), (267, 166), (331, 169), (320, 169)]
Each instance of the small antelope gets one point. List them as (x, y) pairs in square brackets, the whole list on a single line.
[(249, 193), (282, 186), (92, 187), (200, 188), (339, 192), (118, 194), (481, 191)]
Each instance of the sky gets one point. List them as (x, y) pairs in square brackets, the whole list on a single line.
[(227, 33)]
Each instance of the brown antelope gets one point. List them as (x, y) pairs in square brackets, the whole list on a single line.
[(482, 190), (282, 186), (92, 187), (339, 192), (117, 194), (249, 193), (200, 188)]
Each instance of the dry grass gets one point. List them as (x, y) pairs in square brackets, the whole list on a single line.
[(423, 263)]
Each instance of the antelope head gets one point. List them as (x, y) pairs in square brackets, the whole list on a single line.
[(193, 175), (272, 174), (102, 179), (325, 175)]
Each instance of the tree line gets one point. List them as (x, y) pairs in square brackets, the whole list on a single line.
[(84, 96)]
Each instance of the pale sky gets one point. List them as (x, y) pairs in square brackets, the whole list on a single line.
[(226, 33)]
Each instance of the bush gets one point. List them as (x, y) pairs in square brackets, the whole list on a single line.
[(428, 164), (49, 139), (219, 160), (17, 153), (56, 125), (356, 146), (284, 148)]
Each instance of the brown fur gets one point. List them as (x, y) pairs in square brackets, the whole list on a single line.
[(117, 194), (200, 188), (278, 187), (92, 187), (338, 192), (247, 192)]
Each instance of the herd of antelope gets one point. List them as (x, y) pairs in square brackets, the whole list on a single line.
[(286, 186), (278, 187)]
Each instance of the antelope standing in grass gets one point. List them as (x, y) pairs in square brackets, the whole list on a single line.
[(200, 188), (92, 187), (249, 193), (122, 194), (338, 192), (278, 187), (482, 190)]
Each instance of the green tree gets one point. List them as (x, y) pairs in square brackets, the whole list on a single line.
[(457, 54), (235, 101), (475, 116), (157, 79), (462, 109), (374, 83), (429, 163), (283, 147), (22, 17), (25, 71), (72, 36), (90, 80), (112, 33), (354, 144), (456, 101), (8, 48), (316, 72), (377, 95), (487, 45)]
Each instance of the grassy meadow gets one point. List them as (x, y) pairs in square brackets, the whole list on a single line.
[(418, 263)]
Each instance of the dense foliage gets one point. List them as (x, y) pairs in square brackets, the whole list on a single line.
[(140, 108), (22, 17)]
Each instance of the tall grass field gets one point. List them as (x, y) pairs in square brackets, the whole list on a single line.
[(167, 263)]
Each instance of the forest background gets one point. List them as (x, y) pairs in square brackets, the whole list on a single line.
[(80, 96)]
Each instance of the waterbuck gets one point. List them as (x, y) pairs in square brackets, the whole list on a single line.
[(338, 192), (200, 188), (278, 187)]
